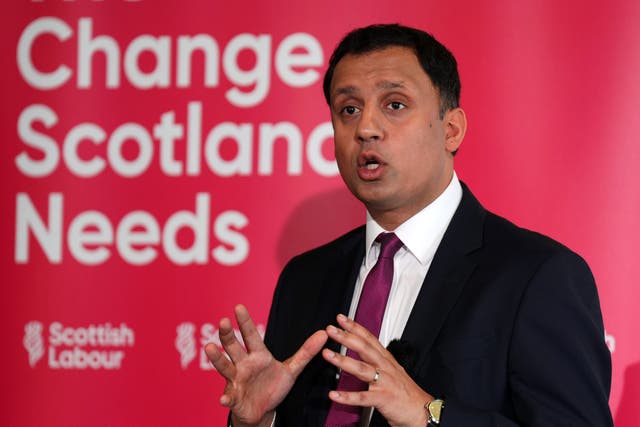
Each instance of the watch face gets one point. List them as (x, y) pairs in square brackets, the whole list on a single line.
[(435, 410)]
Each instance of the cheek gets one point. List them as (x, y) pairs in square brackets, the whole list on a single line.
[(342, 158), (342, 146), (417, 160), (341, 134)]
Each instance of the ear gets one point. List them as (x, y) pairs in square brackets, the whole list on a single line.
[(455, 122)]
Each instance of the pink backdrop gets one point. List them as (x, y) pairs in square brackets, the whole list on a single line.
[(143, 196)]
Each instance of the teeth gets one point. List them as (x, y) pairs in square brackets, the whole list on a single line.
[(372, 166)]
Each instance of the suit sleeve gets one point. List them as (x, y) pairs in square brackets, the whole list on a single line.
[(276, 339), (559, 368)]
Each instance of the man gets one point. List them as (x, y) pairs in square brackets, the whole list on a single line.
[(487, 324)]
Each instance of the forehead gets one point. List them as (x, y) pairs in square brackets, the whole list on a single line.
[(388, 68)]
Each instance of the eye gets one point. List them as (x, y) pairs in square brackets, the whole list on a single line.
[(349, 110), (395, 105)]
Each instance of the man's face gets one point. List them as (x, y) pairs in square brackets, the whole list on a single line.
[(393, 150)]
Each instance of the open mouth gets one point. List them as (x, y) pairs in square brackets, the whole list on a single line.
[(370, 161), (372, 164)]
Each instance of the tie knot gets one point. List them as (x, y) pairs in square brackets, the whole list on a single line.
[(389, 244)]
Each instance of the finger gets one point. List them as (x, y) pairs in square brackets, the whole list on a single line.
[(367, 347), (379, 353), (226, 400), (230, 342), (250, 335), (306, 352), (353, 398), (220, 361), (357, 329), (364, 371)]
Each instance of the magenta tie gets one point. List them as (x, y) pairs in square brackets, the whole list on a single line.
[(371, 306)]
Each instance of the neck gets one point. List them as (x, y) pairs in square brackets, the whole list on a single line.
[(390, 220)]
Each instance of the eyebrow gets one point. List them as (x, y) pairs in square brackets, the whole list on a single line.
[(384, 84)]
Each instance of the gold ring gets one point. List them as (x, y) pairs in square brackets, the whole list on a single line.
[(376, 377)]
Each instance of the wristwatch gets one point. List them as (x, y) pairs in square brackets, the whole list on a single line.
[(434, 412)]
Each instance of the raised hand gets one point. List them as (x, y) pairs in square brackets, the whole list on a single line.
[(255, 381), (391, 390)]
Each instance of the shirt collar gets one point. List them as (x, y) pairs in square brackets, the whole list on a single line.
[(422, 233)]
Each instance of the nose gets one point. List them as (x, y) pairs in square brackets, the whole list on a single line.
[(369, 127)]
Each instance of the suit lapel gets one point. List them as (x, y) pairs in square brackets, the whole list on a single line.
[(452, 265)]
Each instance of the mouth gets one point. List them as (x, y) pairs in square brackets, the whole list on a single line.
[(369, 161), (370, 166)]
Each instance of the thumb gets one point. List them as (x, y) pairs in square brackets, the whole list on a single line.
[(306, 352)]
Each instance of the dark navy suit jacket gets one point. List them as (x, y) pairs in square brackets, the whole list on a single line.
[(507, 327)]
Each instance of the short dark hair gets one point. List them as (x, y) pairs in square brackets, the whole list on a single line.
[(435, 59)]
